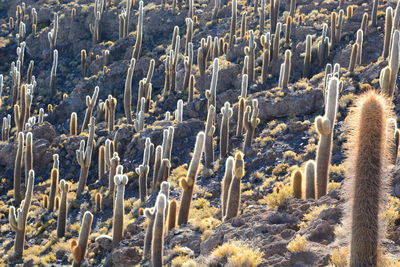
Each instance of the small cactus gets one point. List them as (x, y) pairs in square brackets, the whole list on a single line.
[(296, 183), (53, 189), (309, 181)]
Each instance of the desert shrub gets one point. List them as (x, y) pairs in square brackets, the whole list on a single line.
[(298, 244), (237, 253)]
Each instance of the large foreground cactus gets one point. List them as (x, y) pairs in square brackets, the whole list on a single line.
[(366, 163)]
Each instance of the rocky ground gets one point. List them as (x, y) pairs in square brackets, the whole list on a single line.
[(283, 231)]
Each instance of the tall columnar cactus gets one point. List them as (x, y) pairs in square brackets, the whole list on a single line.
[(173, 206), (192, 82), (292, 9), (323, 46), (6, 127), (179, 111), (212, 93), (78, 248), (98, 202), (189, 182), (226, 182), (251, 121), (18, 169), (157, 243), (164, 189), (168, 143), (232, 30), (244, 86), (274, 13), (189, 34), (367, 162), (243, 25), (143, 171), (261, 14), (156, 167), (84, 63), (393, 140), (276, 40), (359, 41), (53, 189), (28, 155), (324, 126), (297, 177), (233, 201), (388, 31), (111, 104), (114, 162), (250, 51), (90, 103), (18, 220), (336, 27), (286, 67), (394, 62), (163, 173), (139, 33), (309, 180), (308, 56), (266, 44), (101, 162), (353, 57), (73, 124), (128, 91), (240, 116), (227, 113), (84, 158), (288, 29), (374, 15), (62, 212), (53, 73), (188, 63), (150, 214), (209, 135), (118, 217)]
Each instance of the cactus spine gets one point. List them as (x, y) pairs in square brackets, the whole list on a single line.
[(18, 220), (227, 113), (367, 161), (157, 243), (189, 182), (118, 217), (78, 248), (233, 201), (62, 212), (324, 126)]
